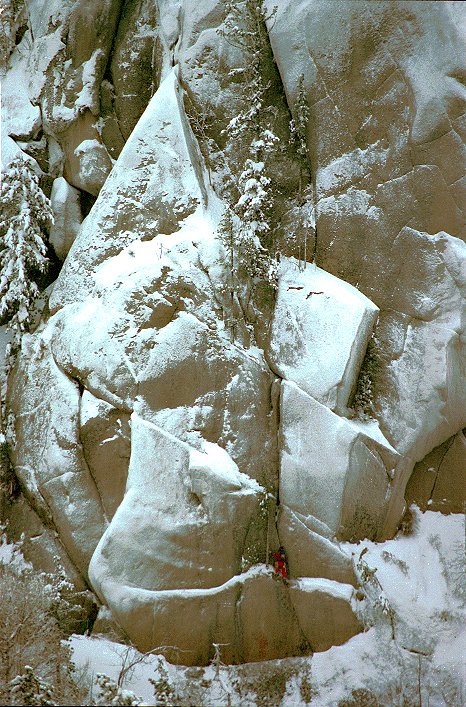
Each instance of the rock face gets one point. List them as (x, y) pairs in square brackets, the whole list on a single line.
[(313, 310), (174, 429), (67, 216)]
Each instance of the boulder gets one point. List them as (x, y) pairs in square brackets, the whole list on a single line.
[(183, 520), (67, 216), (94, 166), (325, 612), (336, 470), (86, 162), (152, 189), (47, 454), (309, 554), (193, 382), (313, 310), (105, 436)]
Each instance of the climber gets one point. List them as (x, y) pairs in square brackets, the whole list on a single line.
[(280, 563)]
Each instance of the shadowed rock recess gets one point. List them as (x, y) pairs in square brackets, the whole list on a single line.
[(171, 450)]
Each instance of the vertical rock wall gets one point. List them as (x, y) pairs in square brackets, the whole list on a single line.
[(155, 441)]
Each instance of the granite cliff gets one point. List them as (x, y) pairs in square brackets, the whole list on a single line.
[(172, 429)]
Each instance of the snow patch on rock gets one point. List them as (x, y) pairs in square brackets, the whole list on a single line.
[(67, 216), (313, 311), (331, 468)]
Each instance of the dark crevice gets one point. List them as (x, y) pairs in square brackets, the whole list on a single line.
[(20, 32), (86, 201)]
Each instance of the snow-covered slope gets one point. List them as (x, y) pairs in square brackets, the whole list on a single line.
[(421, 575)]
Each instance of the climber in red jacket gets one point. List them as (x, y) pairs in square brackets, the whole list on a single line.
[(279, 562)]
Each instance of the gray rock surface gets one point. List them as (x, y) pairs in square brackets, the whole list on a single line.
[(160, 416), (67, 216)]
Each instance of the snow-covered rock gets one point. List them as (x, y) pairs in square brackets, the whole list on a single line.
[(438, 482), (325, 612), (94, 166), (310, 551), (156, 183), (140, 318), (390, 199), (67, 216), (105, 436), (421, 406), (331, 468), (47, 453), (20, 119), (11, 150), (183, 520), (313, 311)]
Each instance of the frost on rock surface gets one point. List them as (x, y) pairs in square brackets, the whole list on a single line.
[(332, 469), (160, 416), (313, 311), (67, 216)]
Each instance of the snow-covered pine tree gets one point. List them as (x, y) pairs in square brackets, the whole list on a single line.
[(25, 218), (246, 230), (300, 120), (28, 689), (110, 695), (298, 139)]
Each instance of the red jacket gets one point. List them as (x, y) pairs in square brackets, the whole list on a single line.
[(279, 563)]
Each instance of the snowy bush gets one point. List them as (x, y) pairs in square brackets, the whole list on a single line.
[(163, 690), (30, 636), (109, 694), (26, 216), (363, 399), (377, 605), (28, 689), (360, 697)]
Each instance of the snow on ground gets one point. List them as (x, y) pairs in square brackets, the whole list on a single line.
[(423, 578)]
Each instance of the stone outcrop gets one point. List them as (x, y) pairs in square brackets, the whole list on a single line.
[(162, 418), (438, 482), (67, 216), (312, 311)]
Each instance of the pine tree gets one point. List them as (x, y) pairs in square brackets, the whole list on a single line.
[(299, 122), (26, 215), (28, 689), (306, 198), (246, 228), (111, 695)]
